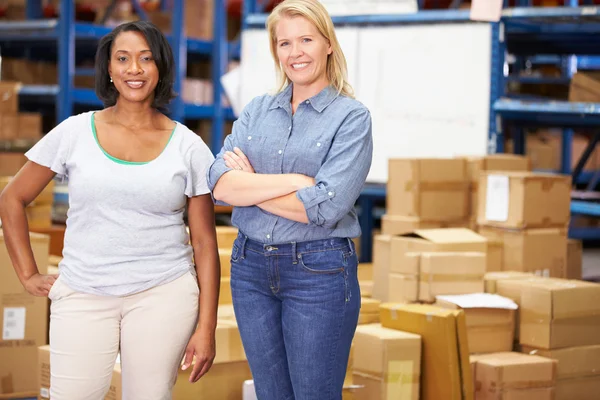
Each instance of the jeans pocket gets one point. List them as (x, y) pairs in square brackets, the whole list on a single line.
[(323, 262), (235, 253)]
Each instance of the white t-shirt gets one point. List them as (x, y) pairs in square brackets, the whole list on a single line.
[(125, 231)]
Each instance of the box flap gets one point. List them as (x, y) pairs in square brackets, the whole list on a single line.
[(448, 235), (479, 300), (464, 362)]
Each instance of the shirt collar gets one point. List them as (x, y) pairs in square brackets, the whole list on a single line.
[(319, 102)]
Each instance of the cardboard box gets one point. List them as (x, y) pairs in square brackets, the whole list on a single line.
[(225, 260), (495, 255), (228, 342), (509, 375), (492, 162), (578, 374), (9, 130), (450, 273), (39, 216), (490, 320), (492, 278), (539, 251), (365, 271), (542, 154), (381, 266), (433, 240), (400, 225), (198, 19), (30, 126), (226, 235), (114, 393), (430, 189), (57, 239), (512, 289), (523, 200), (558, 313), (223, 381), (225, 291), (404, 288), (24, 322), (585, 87), (9, 97), (11, 163), (445, 372), (574, 260), (369, 311), (387, 362), (366, 289)]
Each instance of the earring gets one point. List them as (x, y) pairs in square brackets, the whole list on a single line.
[(111, 79)]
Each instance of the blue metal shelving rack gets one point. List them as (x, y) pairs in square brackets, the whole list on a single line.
[(66, 34)]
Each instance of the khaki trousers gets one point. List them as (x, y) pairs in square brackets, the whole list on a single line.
[(150, 329)]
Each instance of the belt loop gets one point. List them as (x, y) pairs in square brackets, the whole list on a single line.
[(243, 249), (294, 254), (351, 245)]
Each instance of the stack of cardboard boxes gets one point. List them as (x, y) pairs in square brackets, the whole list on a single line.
[(529, 212)]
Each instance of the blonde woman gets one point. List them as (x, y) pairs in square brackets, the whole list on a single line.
[(293, 168)]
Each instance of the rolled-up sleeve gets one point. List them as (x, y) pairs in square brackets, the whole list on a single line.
[(342, 176), (218, 167)]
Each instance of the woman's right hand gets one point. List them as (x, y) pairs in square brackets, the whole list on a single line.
[(40, 285)]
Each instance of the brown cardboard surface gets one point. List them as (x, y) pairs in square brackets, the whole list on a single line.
[(368, 318), (450, 273), (574, 260), (225, 259), (39, 216), (223, 381), (403, 288), (573, 362), (492, 278), (511, 375), (539, 251), (557, 313), (586, 388), (585, 87), (365, 271), (9, 130), (495, 255), (433, 240), (391, 355), (225, 291), (381, 266), (43, 376), (535, 200), (228, 342), (489, 330), (496, 162), (400, 224), (11, 163), (19, 355), (431, 189), (30, 126), (366, 289), (226, 236), (370, 305), (9, 97), (445, 371)]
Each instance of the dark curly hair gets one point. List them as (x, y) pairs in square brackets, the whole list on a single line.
[(163, 57)]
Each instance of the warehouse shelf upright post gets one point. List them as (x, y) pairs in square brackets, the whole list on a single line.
[(66, 34)]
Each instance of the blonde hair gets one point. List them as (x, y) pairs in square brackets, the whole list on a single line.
[(315, 12)]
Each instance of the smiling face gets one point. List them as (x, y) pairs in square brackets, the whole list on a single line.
[(302, 52), (132, 68)]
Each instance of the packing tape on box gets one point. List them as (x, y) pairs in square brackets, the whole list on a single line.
[(435, 186), (427, 277), (400, 379)]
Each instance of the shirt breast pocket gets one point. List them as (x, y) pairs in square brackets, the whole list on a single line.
[(312, 156), (255, 148)]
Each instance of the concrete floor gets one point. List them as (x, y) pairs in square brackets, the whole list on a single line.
[(591, 264)]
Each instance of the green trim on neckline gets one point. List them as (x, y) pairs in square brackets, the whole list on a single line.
[(124, 162)]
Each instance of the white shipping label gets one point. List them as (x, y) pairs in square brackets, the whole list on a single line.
[(497, 198), (14, 323)]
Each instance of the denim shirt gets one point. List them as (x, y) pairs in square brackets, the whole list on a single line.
[(328, 138)]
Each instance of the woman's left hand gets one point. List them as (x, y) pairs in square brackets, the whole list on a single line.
[(202, 345), (237, 160)]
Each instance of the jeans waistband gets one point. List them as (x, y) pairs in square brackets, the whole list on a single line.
[(293, 248)]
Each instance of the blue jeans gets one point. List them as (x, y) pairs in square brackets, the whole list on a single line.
[(297, 307)]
